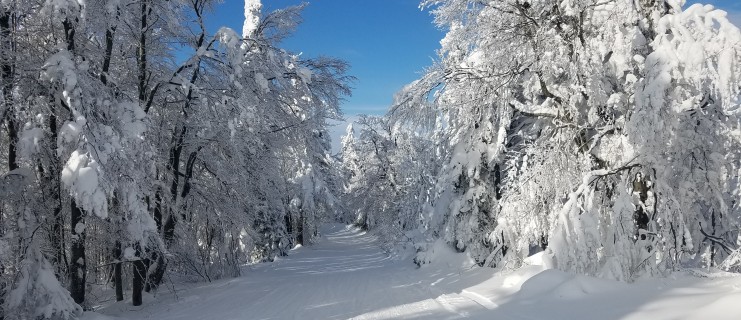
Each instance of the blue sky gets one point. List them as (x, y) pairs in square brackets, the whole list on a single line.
[(388, 43), (733, 7)]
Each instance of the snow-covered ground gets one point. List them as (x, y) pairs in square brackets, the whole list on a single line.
[(346, 275)]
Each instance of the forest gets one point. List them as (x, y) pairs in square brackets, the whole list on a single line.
[(141, 150)]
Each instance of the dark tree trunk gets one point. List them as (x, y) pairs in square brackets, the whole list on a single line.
[(6, 71), (108, 54), (158, 209), (140, 270), (78, 269), (640, 217), (713, 247), (8, 79), (497, 182), (69, 34), (117, 254), (289, 227), (54, 184), (78, 264), (141, 265), (300, 228), (117, 274), (168, 229), (155, 278), (142, 54), (176, 150), (57, 229)]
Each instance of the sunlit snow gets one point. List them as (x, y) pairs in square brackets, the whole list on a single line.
[(347, 276)]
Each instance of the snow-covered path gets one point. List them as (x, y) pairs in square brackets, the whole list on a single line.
[(346, 275)]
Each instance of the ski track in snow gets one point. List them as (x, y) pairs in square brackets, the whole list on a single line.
[(347, 276)]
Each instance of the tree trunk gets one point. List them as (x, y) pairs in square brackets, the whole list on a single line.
[(140, 270), (52, 180), (155, 277), (108, 54), (142, 53), (116, 254), (78, 264), (289, 227), (78, 269), (7, 85), (168, 229), (58, 259), (8, 79), (157, 215), (141, 265), (117, 274), (640, 217)]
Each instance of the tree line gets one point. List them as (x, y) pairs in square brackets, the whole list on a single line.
[(140, 146), (604, 133)]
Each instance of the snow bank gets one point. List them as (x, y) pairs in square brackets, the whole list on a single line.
[(440, 253)]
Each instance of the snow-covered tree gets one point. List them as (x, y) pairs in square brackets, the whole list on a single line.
[(125, 160), (388, 172), (602, 131)]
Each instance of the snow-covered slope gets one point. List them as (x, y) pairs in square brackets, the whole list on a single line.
[(346, 276)]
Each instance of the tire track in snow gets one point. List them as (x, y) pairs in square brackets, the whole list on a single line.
[(479, 299)]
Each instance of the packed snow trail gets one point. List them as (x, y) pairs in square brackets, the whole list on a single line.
[(346, 275)]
